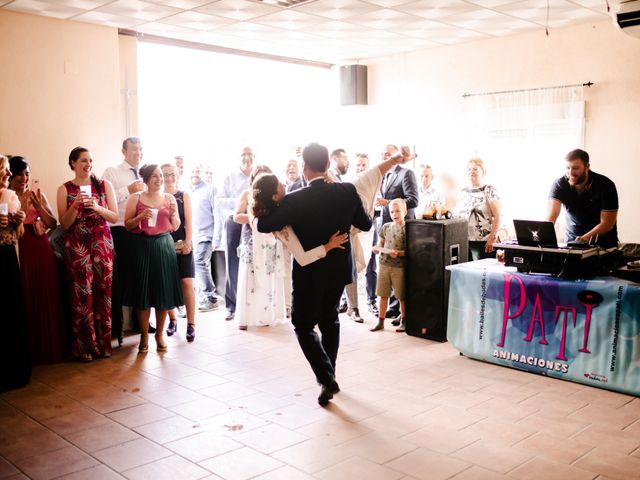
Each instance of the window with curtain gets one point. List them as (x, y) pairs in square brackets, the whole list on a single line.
[(523, 136)]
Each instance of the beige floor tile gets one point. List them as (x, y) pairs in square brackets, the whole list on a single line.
[(552, 448), (270, 438), (169, 468), (100, 472), (233, 423), (202, 446), (6, 468), (240, 464), (140, 415), (228, 391), (311, 456), (604, 436), (17, 425), (294, 416), (614, 417), (458, 398), (284, 473), (131, 454), (358, 468), (492, 456), (113, 401), (555, 424), (428, 465), (201, 409), (449, 417), (550, 470), (505, 408), (479, 473), (441, 439), (170, 429), (171, 397), (600, 396), (32, 444), (498, 431), (55, 464), (81, 419), (101, 437), (199, 381), (377, 447), (610, 463), (557, 403), (394, 422), (260, 402), (333, 431)]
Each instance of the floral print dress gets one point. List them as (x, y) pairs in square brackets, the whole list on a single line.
[(89, 254)]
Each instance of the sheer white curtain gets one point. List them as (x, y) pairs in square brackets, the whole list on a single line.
[(523, 137)]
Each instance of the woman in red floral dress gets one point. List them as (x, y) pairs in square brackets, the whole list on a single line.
[(89, 250)]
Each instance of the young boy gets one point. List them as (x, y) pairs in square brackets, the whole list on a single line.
[(391, 245)]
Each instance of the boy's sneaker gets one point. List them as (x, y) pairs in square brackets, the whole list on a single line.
[(182, 311), (354, 313), (402, 327), (396, 321), (207, 306), (373, 308)]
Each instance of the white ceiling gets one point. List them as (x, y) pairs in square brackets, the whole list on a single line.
[(331, 31)]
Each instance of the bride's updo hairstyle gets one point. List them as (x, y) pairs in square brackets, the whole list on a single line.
[(265, 186)]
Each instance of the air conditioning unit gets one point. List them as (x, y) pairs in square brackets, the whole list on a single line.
[(628, 17)]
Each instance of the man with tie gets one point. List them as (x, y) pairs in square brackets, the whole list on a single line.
[(126, 181), (399, 182)]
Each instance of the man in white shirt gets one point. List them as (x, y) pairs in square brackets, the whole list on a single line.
[(234, 184), (126, 181)]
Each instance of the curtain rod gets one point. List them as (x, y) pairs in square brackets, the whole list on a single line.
[(588, 84), (174, 42)]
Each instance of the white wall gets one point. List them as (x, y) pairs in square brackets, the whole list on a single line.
[(416, 98)]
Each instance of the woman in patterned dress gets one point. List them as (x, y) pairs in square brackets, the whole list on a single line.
[(480, 204), (89, 255)]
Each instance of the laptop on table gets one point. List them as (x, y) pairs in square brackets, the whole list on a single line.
[(535, 233)]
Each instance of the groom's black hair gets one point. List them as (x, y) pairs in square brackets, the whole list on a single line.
[(316, 157)]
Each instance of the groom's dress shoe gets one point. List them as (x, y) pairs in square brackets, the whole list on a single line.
[(327, 392)]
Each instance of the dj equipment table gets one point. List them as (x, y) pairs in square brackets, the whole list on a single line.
[(586, 331)]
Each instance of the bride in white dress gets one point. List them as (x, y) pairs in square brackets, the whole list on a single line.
[(261, 273), (268, 192)]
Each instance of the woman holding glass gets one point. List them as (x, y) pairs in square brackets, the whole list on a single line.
[(43, 302), (86, 206), (153, 279)]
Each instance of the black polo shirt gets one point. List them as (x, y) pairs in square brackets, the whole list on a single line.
[(583, 209)]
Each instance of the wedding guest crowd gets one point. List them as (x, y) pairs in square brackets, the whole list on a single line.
[(136, 239)]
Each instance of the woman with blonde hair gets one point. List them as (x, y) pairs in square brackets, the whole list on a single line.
[(182, 236), (480, 204)]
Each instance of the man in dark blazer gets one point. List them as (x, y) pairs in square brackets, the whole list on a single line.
[(315, 213)]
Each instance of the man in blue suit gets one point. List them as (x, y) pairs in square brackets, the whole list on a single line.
[(315, 213)]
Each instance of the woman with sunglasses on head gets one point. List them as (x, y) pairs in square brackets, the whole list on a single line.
[(153, 280), (40, 279)]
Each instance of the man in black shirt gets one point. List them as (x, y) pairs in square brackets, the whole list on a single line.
[(590, 200)]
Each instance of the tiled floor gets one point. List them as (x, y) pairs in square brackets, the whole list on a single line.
[(242, 405)]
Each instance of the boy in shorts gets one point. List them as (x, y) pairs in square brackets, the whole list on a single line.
[(391, 246)]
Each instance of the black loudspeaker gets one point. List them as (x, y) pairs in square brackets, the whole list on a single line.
[(431, 246), (353, 85)]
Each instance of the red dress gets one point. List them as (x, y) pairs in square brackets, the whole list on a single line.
[(89, 249), (43, 303)]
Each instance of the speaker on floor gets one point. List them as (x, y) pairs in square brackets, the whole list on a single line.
[(431, 246), (353, 85)]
